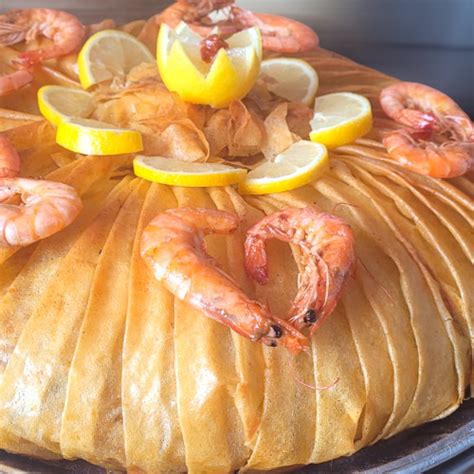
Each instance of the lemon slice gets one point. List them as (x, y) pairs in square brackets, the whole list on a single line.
[(293, 79), (340, 118), (181, 173), (300, 164), (91, 137), (229, 76), (110, 53), (57, 103)]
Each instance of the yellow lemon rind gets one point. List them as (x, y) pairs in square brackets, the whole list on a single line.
[(88, 141), (86, 77), (343, 134), (218, 88), (265, 186), (308, 98), (48, 111), (188, 180)]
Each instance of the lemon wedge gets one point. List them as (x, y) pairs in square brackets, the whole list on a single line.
[(181, 173), (58, 103), (91, 137), (300, 164), (229, 76), (293, 79), (110, 53), (340, 118)]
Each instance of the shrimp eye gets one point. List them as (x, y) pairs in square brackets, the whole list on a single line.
[(277, 332), (310, 316)]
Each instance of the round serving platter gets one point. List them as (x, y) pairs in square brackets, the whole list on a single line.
[(442, 446)]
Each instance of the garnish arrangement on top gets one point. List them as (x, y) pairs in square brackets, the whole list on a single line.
[(192, 124)]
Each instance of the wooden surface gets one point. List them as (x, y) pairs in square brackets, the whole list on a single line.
[(429, 41)]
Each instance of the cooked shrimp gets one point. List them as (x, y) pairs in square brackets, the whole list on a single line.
[(14, 81), (173, 246), (422, 107), (446, 160), (9, 159), (327, 248), (47, 208), (196, 10), (193, 12), (64, 29), (279, 34)]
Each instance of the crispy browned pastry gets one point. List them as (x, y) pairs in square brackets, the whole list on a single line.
[(98, 361)]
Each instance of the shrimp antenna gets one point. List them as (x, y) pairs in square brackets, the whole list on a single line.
[(375, 279), (343, 204), (315, 388), (318, 388)]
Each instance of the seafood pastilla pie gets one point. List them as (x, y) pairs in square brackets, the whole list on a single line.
[(157, 328)]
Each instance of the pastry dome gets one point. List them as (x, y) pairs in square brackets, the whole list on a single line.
[(98, 361)]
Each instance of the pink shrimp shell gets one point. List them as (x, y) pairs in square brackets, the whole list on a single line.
[(64, 29), (449, 160), (279, 33), (9, 159), (172, 245), (285, 35), (328, 257), (422, 107), (47, 208)]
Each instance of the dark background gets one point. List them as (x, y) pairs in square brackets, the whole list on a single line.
[(429, 41)]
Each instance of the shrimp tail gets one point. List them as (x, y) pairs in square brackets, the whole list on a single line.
[(417, 119), (11, 34), (29, 59)]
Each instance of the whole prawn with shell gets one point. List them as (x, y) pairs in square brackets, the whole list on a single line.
[(173, 247), (65, 31), (326, 243), (438, 140), (47, 206), (279, 34)]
